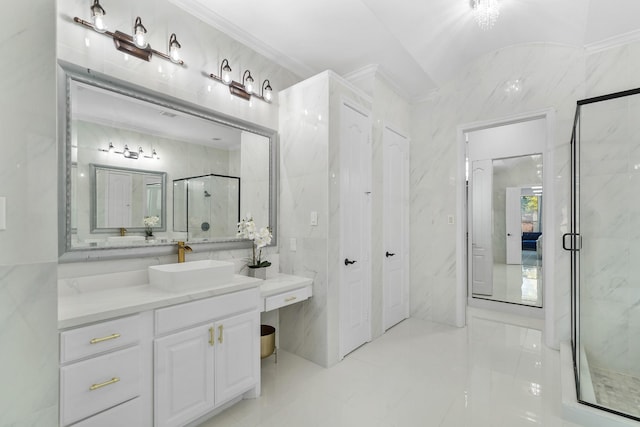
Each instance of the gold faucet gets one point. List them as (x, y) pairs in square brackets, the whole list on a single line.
[(123, 231), (182, 248)]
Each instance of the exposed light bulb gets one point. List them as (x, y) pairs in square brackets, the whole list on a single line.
[(97, 17), (139, 31), (174, 49), (247, 82), (225, 72)]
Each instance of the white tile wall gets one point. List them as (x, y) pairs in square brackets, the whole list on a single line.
[(28, 247)]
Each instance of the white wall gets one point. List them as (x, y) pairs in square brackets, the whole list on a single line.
[(28, 247)]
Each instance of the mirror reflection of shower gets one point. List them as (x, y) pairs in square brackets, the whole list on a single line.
[(206, 206)]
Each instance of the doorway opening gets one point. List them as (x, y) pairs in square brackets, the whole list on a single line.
[(514, 145)]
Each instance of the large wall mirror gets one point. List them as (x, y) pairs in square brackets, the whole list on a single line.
[(131, 155)]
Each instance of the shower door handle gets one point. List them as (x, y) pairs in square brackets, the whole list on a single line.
[(575, 242)]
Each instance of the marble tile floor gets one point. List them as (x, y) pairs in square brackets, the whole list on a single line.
[(419, 373), (616, 391)]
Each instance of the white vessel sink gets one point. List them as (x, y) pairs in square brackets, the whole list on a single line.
[(191, 275), (123, 240)]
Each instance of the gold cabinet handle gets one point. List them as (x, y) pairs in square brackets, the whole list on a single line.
[(107, 338), (104, 384), (290, 299), (220, 329), (211, 336)]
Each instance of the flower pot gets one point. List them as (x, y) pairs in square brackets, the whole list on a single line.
[(258, 272), (267, 340)]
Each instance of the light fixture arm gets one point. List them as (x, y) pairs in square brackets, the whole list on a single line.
[(246, 77)]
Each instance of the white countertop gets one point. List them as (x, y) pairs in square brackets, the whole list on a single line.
[(283, 283), (102, 303)]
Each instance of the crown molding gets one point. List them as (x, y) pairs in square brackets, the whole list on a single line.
[(611, 42), (197, 9)]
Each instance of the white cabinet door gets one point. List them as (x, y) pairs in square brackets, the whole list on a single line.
[(237, 355), (184, 371)]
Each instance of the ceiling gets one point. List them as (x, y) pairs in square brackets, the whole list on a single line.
[(418, 45)]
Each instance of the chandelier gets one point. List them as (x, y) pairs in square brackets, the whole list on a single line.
[(487, 12)]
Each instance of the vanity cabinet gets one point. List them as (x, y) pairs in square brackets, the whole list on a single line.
[(208, 356), (103, 377)]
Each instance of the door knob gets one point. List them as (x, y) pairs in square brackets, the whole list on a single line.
[(388, 254), (347, 262)]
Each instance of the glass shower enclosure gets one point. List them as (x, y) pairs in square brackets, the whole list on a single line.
[(206, 207), (605, 252)]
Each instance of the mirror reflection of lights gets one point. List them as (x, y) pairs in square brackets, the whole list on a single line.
[(535, 389)]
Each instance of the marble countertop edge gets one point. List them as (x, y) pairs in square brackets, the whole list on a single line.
[(90, 307)]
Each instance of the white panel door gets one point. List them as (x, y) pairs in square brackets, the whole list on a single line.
[(513, 223), (395, 259), (237, 355), (118, 199), (481, 225), (355, 229), (184, 370)]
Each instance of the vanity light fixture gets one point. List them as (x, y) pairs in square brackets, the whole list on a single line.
[(267, 91), (129, 154), (139, 32), (135, 45), (244, 90), (225, 72), (247, 82), (97, 17), (153, 155), (174, 49)]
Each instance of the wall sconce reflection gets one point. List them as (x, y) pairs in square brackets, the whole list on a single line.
[(129, 154)]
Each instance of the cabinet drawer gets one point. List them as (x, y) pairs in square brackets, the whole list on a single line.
[(89, 340), (193, 313), (127, 414), (94, 385), (287, 298)]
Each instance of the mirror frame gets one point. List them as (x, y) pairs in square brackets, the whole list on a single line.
[(93, 200), (67, 73)]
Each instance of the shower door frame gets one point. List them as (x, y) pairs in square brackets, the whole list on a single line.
[(575, 243)]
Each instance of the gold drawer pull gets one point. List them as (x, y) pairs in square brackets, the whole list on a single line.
[(104, 384), (211, 336), (220, 329), (110, 337), (290, 299)]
